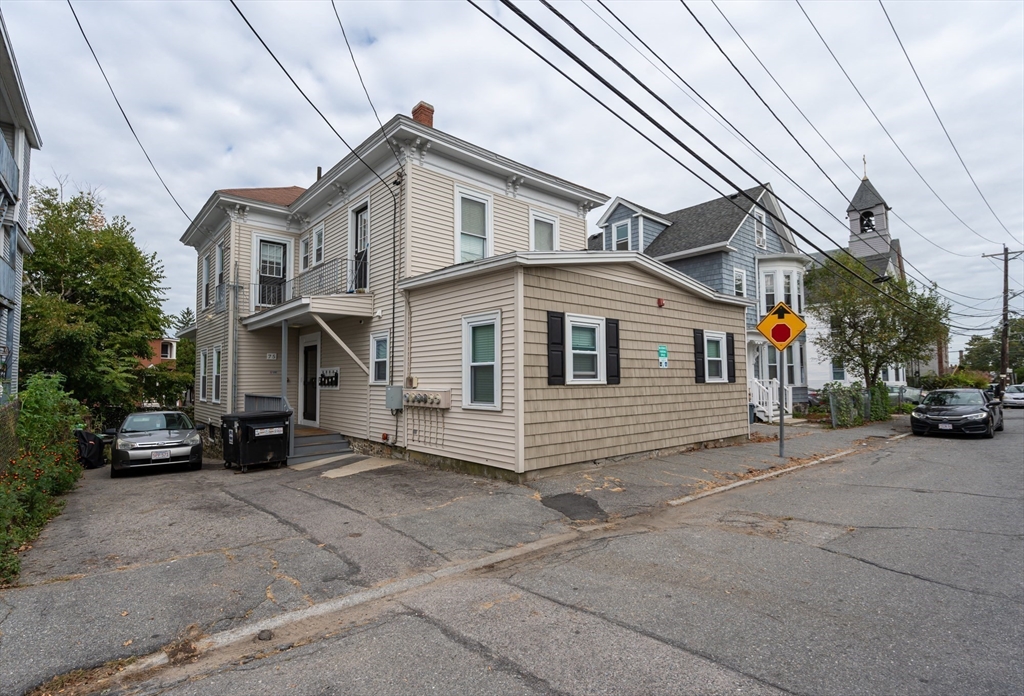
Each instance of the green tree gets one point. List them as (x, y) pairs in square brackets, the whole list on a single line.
[(91, 299), (869, 327), (984, 352)]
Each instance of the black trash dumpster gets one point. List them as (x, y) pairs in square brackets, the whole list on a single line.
[(255, 437)]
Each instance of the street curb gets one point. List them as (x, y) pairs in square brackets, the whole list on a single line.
[(249, 631), (770, 474)]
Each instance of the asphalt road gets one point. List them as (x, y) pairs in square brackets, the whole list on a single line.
[(894, 571)]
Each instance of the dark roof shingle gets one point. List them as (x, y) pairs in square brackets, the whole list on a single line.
[(867, 197), (701, 225)]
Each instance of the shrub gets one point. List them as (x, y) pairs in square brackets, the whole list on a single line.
[(961, 379), (45, 467), (880, 408), (845, 402)]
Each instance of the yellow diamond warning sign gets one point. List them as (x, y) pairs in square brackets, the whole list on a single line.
[(781, 326)]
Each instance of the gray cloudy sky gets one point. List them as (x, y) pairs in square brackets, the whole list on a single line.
[(214, 111)]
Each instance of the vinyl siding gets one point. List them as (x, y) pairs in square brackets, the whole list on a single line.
[(485, 437), (652, 407), (622, 213), (212, 330)]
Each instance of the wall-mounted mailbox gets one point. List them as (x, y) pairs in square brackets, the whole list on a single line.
[(428, 398)]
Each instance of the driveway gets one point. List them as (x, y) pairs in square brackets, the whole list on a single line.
[(132, 564)]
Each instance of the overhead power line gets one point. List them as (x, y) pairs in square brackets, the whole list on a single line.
[(121, 109), (886, 130), (939, 119)]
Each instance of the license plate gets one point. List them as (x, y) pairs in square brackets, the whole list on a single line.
[(160, 454), (945, 426)]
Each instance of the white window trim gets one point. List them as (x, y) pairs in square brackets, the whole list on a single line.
[(203, 380), (304, 264), (583, 320), (350, 262), (468, 322), (217, 381), (290, 262), (739, 272), (716, 336), (544, 217), (218, 270), (374, 339), (205, 291), (629, 235), (488, 201), (798, 280), (764, 290), (760, 240), (321, 231)]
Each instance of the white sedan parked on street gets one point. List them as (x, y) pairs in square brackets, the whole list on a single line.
[(1013, 397)]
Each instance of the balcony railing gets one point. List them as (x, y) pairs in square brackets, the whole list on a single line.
[(9, 171), (329, 278)]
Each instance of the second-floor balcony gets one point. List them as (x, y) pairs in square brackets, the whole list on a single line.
[(336, 287), (10, 173)]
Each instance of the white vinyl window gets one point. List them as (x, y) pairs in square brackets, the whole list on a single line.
[(760, 233), (769, 292), (216, 374), (318, 244), (481, 361), (473, 226), (799, 280), (202, 376), (838, 370), (379, 358), (586, 357), (167, 350), (790, 366), (620, 237), (714, 357), (773, 363), (306, 252), (543, 232), (787, 289), (739, 282)]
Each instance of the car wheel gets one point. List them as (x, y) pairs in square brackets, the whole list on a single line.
[(195, 466), (991, 432), (115, 472), (1001, 424)]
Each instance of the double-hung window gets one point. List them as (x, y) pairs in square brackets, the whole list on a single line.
[(167, 350), (799, 280), (714, 357), (543, 232), (318, 244), (219, 265), (379, 357), (481, 361), (787, 289), (207, 296), (474, 227), (790, 367), (760, 233), (216, 374), (620, 239), (360, 247), (739, 282), (773, 363), (306, 252), (769, 292), (838, 370), (202, 376), (585, 362)]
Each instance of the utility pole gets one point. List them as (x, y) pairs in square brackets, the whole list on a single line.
[(1004, 353)]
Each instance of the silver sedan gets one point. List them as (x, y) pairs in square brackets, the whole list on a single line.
[(156, 438)]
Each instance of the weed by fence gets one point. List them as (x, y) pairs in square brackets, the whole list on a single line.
[(8, 433)]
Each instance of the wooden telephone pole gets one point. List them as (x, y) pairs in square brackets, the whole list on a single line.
[(1004, 353)]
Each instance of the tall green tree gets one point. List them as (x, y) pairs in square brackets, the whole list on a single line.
[(91, 299), (984, 352), (869, 326)]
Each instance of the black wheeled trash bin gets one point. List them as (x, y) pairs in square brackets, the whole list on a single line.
[(255, 437)]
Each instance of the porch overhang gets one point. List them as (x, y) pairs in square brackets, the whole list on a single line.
[(300, 311)]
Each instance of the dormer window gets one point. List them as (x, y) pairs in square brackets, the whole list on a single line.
[(620, 237), (760, 234)]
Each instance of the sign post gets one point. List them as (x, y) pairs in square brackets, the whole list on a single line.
[(781, 325)]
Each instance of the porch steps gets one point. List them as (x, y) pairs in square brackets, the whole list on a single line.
[(318, 445)]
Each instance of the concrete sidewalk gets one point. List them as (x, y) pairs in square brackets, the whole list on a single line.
[(133, 563)]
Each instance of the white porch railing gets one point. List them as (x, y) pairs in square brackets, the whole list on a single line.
[(764, 394)]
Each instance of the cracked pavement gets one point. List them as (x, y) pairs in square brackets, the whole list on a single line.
[(817, 582)]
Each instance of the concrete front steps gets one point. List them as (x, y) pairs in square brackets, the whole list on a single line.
[(312, 444)]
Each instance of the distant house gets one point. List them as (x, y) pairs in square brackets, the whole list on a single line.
[(163, 349), (737, 248), (441, 307), (20, 137)]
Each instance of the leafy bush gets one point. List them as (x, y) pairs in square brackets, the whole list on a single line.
[(45, 468), (845, 402), (905, 407), (879, 402), (961, 379)]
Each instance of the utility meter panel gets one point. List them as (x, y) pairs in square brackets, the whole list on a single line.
[(428, 398), (393, 398)]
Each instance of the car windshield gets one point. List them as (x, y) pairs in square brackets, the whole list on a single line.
[(971, 398), (1016, 389), (141, 422)]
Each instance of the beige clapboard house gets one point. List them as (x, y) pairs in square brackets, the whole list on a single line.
[(434, 297)]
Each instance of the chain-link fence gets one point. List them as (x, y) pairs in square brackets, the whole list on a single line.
[(8, 433)]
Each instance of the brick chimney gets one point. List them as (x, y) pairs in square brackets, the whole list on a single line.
[(423, 113)]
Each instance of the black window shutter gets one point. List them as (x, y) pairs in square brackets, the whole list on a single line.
[(556, 348), (698, 354), (730, 356), (611, 340)]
